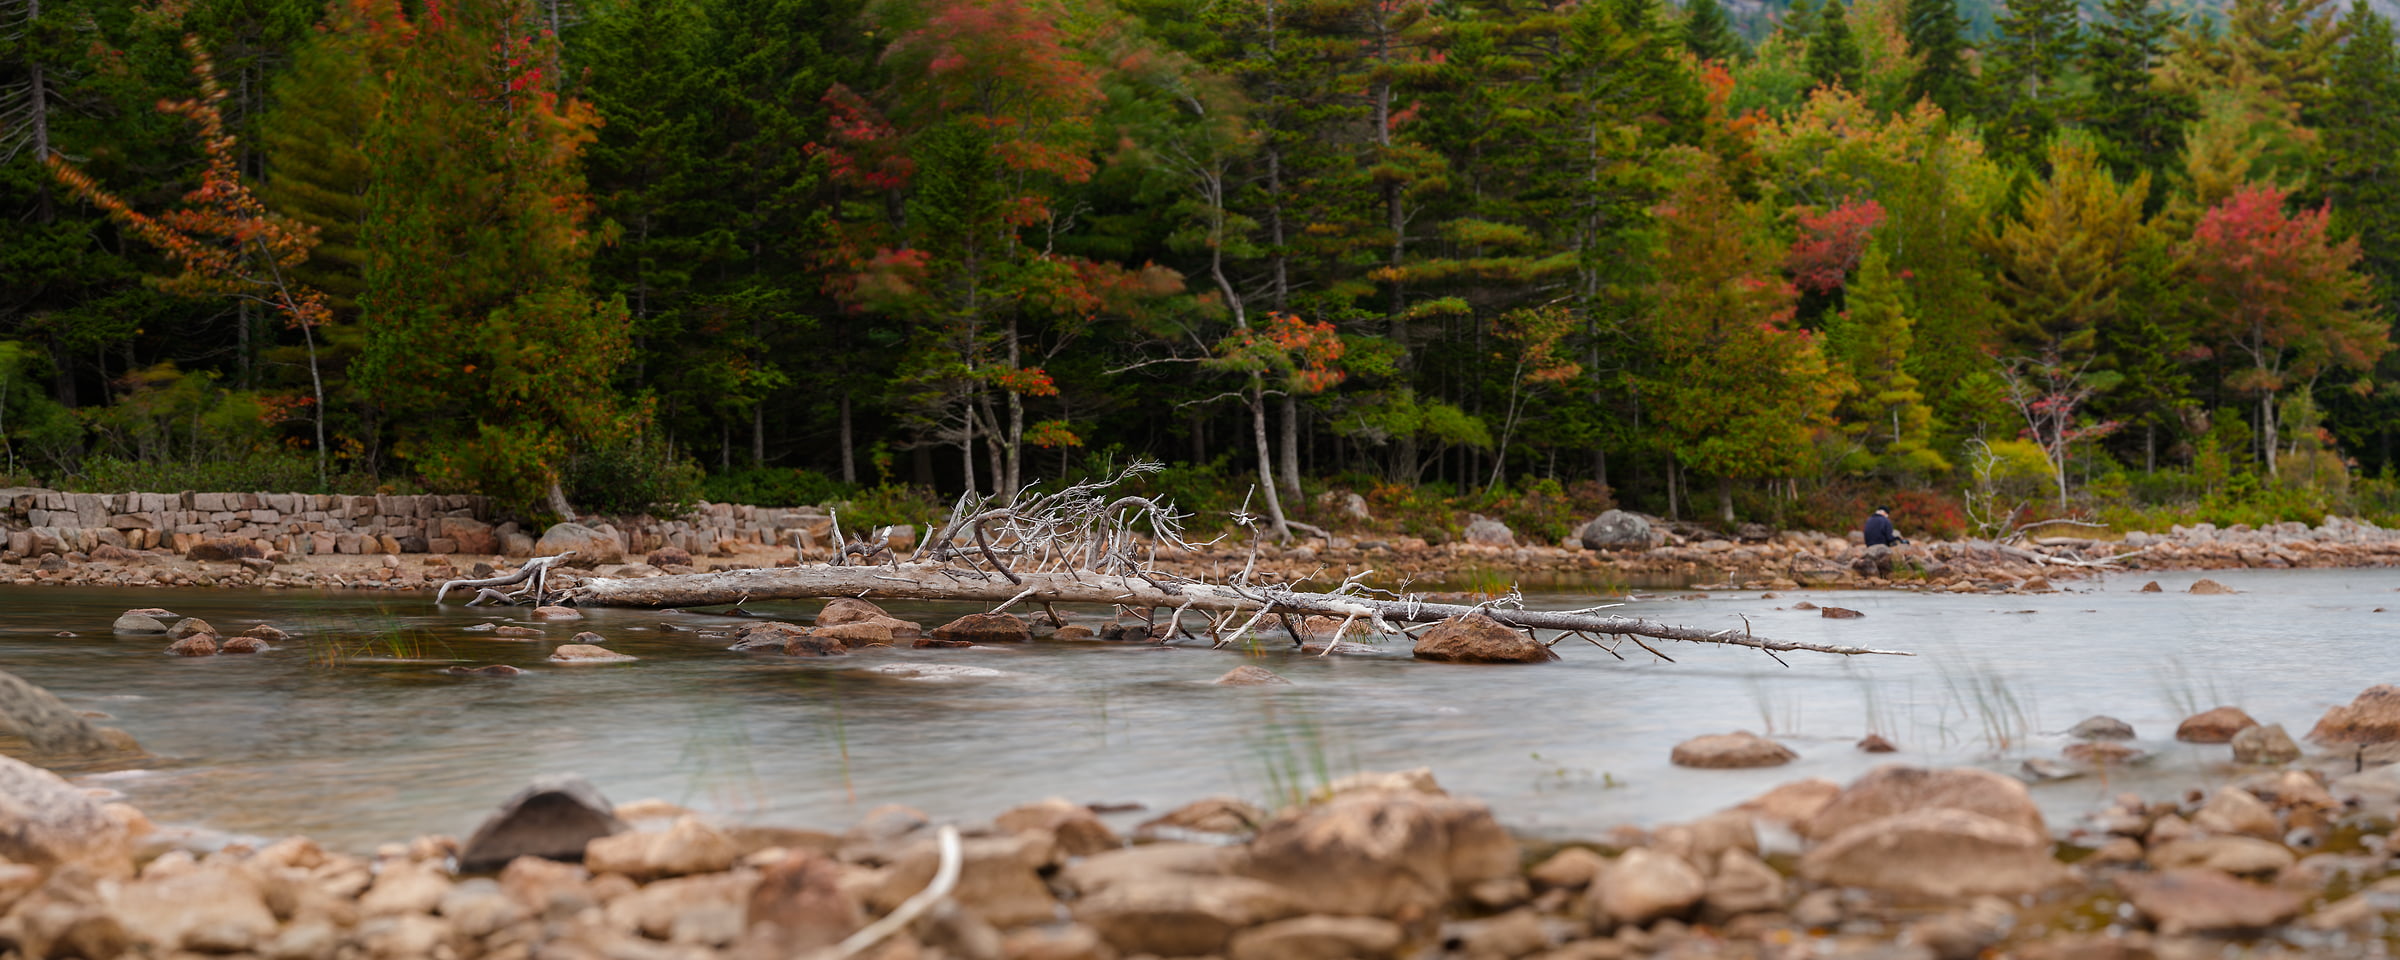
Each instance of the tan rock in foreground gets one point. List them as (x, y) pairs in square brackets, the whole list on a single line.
[(2191, 901), (1382, 853), (688, 847), (1644, 885), (1936, 854)]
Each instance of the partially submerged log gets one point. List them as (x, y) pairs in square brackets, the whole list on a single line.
[(1078, 545), (1227, 609)]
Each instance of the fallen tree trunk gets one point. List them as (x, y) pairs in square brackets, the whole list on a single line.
[(1221, 603)]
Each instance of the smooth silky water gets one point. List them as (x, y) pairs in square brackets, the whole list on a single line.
[(350, 733)]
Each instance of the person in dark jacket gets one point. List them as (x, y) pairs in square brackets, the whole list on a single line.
[(1879, 529)]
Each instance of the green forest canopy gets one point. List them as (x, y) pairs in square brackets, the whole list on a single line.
[(1477, 245)]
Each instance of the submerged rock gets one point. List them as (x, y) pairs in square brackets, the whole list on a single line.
[(554, 818), (189, 626), (2214, 726), (587, 653), (266, 632), (242, 645), (2206, 587), (2102, 753), (494, 670), (1838, 613), (1729, 751), (937, 672), (1475, 638), (2101, 728), (1250, 676)]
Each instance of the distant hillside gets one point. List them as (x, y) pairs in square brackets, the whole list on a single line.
[(1756, 18)]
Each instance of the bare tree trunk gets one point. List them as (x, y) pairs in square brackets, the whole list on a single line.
[(1291, 445), (1725, 499), (849, 457), (1266, 476), (758, 435), (559, 504)]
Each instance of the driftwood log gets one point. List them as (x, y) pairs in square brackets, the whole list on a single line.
[(1224, 606), (1079, 545)]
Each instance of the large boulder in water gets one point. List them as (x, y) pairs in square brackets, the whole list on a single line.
[(49, 728), (554, 818), (592, 547), (1616, 530), (1475, 638), (2374, 717)]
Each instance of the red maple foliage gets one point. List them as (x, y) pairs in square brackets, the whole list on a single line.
[(1831, 244)]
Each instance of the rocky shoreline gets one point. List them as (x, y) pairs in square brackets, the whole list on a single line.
[(2290, 857), (1613, 550)]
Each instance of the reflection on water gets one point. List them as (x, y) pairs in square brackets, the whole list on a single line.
[(350, 733)]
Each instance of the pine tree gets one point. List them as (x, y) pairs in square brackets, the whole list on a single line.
[(1937, 38), (2361, 174), (2140, 123), (1871, 340), (488, 356), (2029, 67), (1834, 59), (315, 139), (1708, 33), (2061, 262), (1799, 20)]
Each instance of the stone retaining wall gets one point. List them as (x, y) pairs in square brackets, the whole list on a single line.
[(36, 521)]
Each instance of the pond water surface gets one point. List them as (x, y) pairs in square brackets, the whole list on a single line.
[(332, 736)]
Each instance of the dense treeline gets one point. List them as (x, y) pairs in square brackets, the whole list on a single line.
[(548, 249)]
